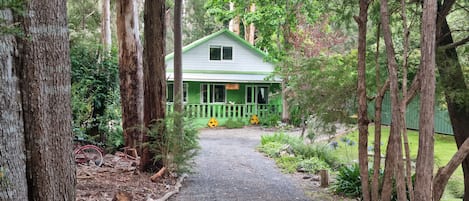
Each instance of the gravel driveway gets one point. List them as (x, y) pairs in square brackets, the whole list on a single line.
[(229, 168)]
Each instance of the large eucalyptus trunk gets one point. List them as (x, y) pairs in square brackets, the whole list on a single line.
[(13, 184), (456, 93), (250, 30), (46, 99), (154, 71), (130, 72), (362, 101), (424, 165)]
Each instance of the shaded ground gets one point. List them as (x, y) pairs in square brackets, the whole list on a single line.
[(229, 168), (118, 175)]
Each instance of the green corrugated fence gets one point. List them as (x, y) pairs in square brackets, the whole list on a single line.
[(442, 121)]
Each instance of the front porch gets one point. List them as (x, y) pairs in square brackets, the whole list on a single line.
[(222, 112)]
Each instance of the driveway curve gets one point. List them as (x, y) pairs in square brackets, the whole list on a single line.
[(228, 168)]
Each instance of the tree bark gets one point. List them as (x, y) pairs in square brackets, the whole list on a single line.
[(130, 72), (424, 166), (46, 99), (362, 101), (154, 72), (456, 93), (106, 26), (13, 185), (408, 167), (249, 30), (234, 23), (394, 161), (178, 98)]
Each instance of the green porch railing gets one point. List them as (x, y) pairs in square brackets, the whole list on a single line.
[(223, 112)]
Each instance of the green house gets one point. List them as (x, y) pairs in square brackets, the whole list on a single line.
[(226, 77)]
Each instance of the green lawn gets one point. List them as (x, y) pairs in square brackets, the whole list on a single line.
[(445, 147)]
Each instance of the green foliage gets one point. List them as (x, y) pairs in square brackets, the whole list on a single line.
[(288, 164), (271, 149), (7, 21), (272, 120), (176, 150), (348, 181), (325, 90), (313, 165), (231, 123), (95, 93), (272, 145)]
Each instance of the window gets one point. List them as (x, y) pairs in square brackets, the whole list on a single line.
[(170, 92), (257, 94), (213, 93), (218, 53)]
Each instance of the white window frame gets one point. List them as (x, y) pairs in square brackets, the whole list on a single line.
[(221, 53)]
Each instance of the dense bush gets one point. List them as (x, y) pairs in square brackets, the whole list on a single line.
[(231, 123), (95, 94)]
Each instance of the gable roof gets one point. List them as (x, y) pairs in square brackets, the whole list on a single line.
[(213, 35)]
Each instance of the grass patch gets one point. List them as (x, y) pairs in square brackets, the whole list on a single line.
[(231, 123), (445, 147)]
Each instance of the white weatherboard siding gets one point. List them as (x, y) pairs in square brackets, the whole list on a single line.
[(245, 60)]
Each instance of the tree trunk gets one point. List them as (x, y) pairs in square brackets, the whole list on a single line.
[(46, 101), (362, 101), (106, 26), (424, 166), (234, 23), (378, 110), (285, 107), (249, 30), (394, 161), (178, 97), (12, 150), (408, 167), (130, 72), (455, 88), (154, 72)]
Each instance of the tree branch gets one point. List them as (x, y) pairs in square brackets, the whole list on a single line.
[(455, 44), (444, 173), (414, 87)]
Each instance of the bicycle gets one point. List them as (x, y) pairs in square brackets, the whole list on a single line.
[(86, 151)]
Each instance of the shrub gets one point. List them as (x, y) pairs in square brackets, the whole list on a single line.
[(348, 181), (288, 163), (312, 165), (176, 150), (231, 123), (272, 120), (271, 149)]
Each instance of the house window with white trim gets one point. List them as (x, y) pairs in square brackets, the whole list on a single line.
[(257, 94), (218, 53), (170, 92), (213, 93)]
